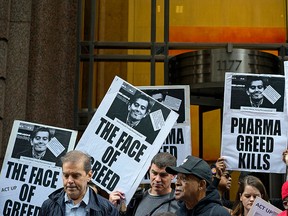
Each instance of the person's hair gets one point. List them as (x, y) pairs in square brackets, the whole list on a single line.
[(158, 91), (242, 175), (139, 95), (38, 129), (161, 92), (77, 156), (164, 159), (251, 79), (248, 180)]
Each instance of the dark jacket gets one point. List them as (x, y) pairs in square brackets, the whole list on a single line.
[(97, 205), (208, 206)]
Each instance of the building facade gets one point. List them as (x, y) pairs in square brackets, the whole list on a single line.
[(37, 63), (58, 58)]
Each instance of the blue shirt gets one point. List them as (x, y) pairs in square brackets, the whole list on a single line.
[(79, 209)]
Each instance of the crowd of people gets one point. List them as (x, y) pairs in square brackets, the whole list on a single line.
[(199, 190)]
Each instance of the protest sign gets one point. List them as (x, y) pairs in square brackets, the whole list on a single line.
[(254, 130), (28, 178), (262, 208), (126, 131), (177, 98)]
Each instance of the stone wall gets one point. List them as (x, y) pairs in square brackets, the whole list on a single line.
[(38, 41)]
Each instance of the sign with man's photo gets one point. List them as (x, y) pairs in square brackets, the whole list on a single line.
[(257, 93), (32, 168), (254, 130), (136, 110), (127, 130), (177, 98)]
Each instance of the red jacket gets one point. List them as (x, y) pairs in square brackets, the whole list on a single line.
[(283, 213)]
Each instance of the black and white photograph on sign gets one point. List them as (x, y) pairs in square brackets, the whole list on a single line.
[(40, 143), (139, 112), (31, 169), (250, 92), (128, 127), (177, 98), (254, 136), (172, 98)]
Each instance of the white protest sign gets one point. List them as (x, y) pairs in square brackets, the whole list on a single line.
[(254, 130), (27, 181), (121, 137), (262, 208), (177, 98)]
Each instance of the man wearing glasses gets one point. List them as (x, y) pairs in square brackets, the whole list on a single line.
[(193, 187), (222, 180)]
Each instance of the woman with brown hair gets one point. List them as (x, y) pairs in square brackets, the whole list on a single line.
[(249, 188)]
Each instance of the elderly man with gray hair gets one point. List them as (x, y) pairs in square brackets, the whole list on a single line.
[(194, 188), (76, 197)]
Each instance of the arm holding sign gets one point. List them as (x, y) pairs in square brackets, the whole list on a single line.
[(115, 197), (160, 196), (217, 169), (222, 181), (220, 167)]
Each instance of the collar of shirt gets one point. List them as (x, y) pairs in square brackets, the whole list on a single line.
[(256, 104), (38, 156), (80, 208)]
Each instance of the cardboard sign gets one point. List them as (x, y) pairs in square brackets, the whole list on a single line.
[(177, 98), (254, 131), (127, 130), (26, 178), (262, 208)]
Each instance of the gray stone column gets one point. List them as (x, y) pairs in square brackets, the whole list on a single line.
[(15, 20), (37, 63)]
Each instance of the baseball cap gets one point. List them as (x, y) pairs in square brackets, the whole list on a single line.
[(195, 166)]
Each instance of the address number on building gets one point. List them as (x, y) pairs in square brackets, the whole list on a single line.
[(228, 65)]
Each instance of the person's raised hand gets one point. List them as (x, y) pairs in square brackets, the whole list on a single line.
[(285, 157), (220, 167), (115, 197)]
